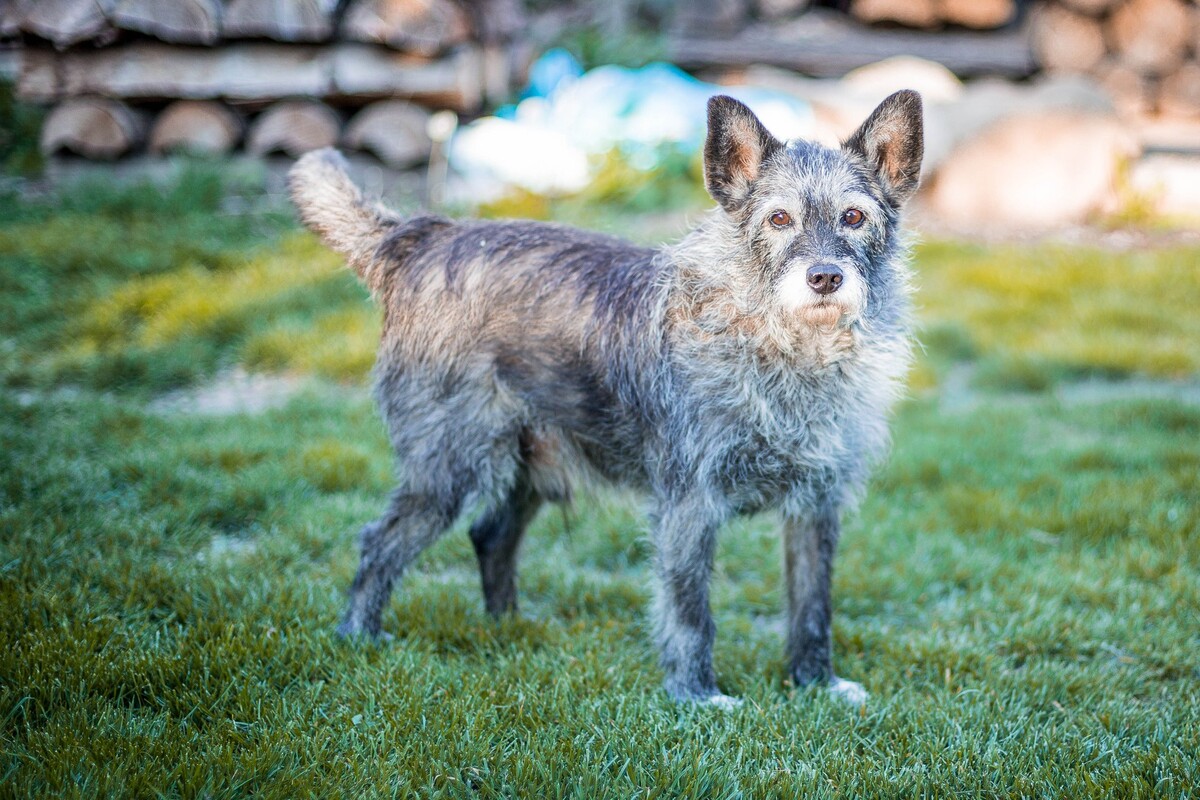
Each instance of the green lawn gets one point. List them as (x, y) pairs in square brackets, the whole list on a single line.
[(1020, 591)]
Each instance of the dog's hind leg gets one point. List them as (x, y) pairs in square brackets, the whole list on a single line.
[(496, 536), (413, 521), (809, 546)]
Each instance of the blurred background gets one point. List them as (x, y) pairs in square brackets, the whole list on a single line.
[(1042, 114)]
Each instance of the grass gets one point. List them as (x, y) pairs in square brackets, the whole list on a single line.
[(1019, 591)]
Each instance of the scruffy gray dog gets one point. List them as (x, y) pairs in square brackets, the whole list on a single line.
[(752, 366)]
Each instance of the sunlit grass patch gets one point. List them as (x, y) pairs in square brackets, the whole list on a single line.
[(172, 327), (1038, 310), (340, 345), (193, 301)]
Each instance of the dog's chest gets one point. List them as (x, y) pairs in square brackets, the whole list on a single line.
[(762, 426)]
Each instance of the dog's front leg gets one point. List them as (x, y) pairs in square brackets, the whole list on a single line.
[(685, 537), (809, 546)]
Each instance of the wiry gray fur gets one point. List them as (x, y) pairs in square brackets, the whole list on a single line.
[(519, 358)]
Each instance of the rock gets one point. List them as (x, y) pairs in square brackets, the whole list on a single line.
[(1170, 183), (913, 13), (935, 83), (1151, 36), (1179, 93), (1132, 93), (981, 14), (1036, 170), (1064, 41), (986, 103)]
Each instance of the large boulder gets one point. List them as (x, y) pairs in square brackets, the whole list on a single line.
[(1034, 170)]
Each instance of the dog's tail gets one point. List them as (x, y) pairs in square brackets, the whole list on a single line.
[(332, 207)]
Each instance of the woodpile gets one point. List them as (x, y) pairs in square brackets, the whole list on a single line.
[(1145, 52), (978, 14), (269, 75)]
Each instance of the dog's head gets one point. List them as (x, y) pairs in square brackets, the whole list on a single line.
[(820, 224)]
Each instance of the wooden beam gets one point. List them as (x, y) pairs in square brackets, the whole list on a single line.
[(827, 45), (252, 72)]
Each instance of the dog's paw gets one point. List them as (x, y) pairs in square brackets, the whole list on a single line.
[(848, 691), (723, 702), (348, 630)]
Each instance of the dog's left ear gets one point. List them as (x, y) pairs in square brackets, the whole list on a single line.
[(892, 141), (734, 152)]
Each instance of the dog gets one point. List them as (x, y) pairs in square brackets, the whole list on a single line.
[(752, 366)]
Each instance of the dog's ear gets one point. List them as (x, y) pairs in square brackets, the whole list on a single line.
[(892, 141), (736, 147)]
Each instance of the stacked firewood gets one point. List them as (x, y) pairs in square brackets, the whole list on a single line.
[(267, 75), (980, 14), (1145, 52)]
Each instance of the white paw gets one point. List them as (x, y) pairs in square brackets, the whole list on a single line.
[(848, 691), (723, 702)]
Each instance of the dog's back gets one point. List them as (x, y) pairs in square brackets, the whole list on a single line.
[(520, 337)]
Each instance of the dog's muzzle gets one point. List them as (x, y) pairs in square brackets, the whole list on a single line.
[(824, 278)]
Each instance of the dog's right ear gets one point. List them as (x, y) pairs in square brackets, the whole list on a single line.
[(892, 142), (734, 152)]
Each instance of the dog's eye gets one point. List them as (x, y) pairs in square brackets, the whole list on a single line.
[(853, 217), (781, 219)]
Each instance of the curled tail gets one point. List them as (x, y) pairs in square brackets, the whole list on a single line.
[(332, 207)]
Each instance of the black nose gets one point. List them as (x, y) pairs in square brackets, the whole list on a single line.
[(824, 278)]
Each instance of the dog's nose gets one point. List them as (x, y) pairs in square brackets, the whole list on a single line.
[(824, 278)]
